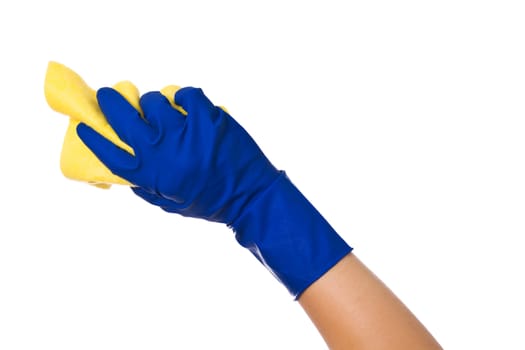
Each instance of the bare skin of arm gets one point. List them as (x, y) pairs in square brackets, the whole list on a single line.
[(353, 309)]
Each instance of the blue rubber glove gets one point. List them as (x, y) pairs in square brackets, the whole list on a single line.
[(205, 165)]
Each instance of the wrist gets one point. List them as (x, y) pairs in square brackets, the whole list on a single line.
[(289, 236)]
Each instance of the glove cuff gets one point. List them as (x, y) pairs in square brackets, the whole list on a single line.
[(289, 236)]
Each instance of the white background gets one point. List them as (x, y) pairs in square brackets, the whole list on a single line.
[(402, 121)]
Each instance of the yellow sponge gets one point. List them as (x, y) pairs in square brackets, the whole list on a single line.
[(67, 93)]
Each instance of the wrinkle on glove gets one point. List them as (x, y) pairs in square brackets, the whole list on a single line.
[(67, 93)]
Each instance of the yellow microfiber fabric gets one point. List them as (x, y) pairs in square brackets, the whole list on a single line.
[(67, 93)]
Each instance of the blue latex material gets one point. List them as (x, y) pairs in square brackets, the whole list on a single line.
[(205, 165)]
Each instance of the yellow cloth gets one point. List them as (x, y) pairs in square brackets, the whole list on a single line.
[(67, 93)]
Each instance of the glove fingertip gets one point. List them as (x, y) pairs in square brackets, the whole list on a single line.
[(84, 131), (105, 93), (187, 95), (151, 99)]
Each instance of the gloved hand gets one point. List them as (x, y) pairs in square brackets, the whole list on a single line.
[(206, 165)]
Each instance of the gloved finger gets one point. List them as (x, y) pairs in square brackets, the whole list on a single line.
[(115, 158), (159, 112), (195, 102), (122, 116), (155, 199)]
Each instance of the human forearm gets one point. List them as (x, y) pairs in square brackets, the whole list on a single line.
[(353, 309)]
